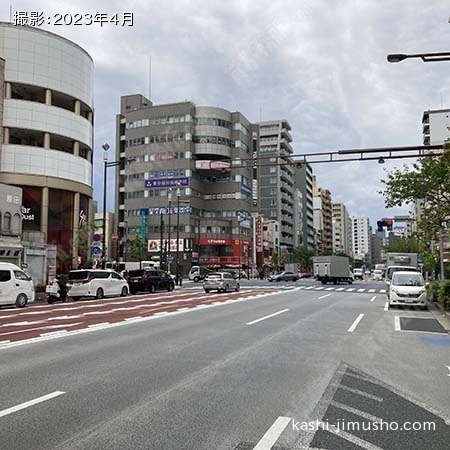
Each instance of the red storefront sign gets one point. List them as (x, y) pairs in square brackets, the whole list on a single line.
[(216, 241)]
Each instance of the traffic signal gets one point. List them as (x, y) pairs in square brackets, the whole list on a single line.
[(385, 223)]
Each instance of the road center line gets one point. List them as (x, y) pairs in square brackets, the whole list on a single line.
[(323, 296), (355, 323), (373, 298), (386, 306), (44, 398), (272, 434), (267, 317)]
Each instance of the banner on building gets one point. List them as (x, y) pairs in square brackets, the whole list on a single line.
[(166, 182), (259, 234), (154, 245)]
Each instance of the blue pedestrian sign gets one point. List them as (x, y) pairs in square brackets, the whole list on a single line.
[(96, 250)]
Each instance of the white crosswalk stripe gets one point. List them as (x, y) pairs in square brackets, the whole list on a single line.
[(371, 290), (361, 290), (350, 290), (383, 291), (340, 289), (330, 289)]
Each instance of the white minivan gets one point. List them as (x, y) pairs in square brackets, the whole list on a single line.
[(96, 283), (16, 287)]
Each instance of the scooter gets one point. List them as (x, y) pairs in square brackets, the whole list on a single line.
[(56, 292)]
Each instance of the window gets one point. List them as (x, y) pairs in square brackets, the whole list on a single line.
[(116, 276), (272, 170), (7, 221), (21, 275), (5, 275)]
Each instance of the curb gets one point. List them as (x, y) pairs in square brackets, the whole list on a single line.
[(444, 317)]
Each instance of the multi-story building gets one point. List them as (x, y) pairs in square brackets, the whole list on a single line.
[(326, 245), (111, 237), (376, 249), (298, 217), (342, 229), (47, 134), (11, 248), (361, 239), (187, 165), (304, 182), (318, 222), (276, 179), (271, 240), (436, 126)]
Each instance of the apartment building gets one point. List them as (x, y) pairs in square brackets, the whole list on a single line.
[(342, 229), (276, 180), (362, 242), (326, 244), (304, 182)]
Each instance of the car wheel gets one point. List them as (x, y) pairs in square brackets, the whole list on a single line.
[(50, 300), (151, 288), (196, 279), (278, 279), (21, 301), (124, 292), (226, 288), (171, 287), (294, 279), (207, 291), (237, 287), (423, 308), (75, 299), (99, 294)]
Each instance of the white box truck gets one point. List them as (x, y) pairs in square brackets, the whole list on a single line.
[(335, 269)]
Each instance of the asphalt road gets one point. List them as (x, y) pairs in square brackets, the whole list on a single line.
[(243, 373)]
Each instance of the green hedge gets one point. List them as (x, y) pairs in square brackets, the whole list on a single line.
[(444, 294), (433, 291)]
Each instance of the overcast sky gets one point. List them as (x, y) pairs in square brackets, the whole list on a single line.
[(323, 69)]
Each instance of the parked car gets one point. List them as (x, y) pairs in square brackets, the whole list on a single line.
[(96, 283), (304, 273), (358, 274), (16, 287), (407, 289), (149, 280), (284, 276), (221, 282)]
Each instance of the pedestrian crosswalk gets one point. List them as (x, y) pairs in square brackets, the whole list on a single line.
[(341, 289)]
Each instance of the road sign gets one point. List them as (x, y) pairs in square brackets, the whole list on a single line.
[(114, 237), (96, 250), (96, 238), (170, 258)]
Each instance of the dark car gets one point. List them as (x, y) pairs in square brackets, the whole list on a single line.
[(149, 280), (284, 276)]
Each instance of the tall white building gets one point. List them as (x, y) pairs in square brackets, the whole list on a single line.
[(436, 126), (342, 229), (361, 238)]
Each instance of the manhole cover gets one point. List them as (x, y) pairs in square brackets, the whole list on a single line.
[(421, 324)]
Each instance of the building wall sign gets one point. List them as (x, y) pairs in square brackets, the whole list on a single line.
[(259, 234), (154, 245), (165, 210), (31, 214), (208, 164), (216, 241), (166, 182)]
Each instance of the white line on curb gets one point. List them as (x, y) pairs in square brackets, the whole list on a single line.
[(355, 323), (267, 317), (272, 434), (44, 398)]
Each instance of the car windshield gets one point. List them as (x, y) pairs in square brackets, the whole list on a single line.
[(407, 279), (377, 272)]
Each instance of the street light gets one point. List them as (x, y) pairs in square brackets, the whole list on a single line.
[(105, 147), (169, 195), (425, 57), (178, 234)]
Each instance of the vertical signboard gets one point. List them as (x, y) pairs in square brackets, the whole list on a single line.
[(259, 236), (255, 169), (144, 214)]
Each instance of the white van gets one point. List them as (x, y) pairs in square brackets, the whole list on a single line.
[(16, 287)]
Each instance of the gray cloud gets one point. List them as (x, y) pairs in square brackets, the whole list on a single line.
[(328, 76)]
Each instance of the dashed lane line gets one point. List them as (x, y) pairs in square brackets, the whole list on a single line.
[(35, 401), (373, 298), (355, 323), (323, 296), (267, 317), (273, 433)]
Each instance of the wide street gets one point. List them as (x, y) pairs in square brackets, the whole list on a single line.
[(238, 371)]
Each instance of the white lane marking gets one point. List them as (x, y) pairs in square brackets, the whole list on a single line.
[(362, 393), (130, 319), (4, 342), (354, 439), (267, 317), (329, 289), (310, 287), (44, 398), (20, 324), (361, 290), (339, 289), (323, 296), (355, 323), (397, 323), (448, 367), (355, 411), (272, 434), (94, 325), (51, 333), (319, 288), (382, 291), (373, 298), (371, 290), (386, 306), (350, 290)]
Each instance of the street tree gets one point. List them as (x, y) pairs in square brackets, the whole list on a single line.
[(138, 249)]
